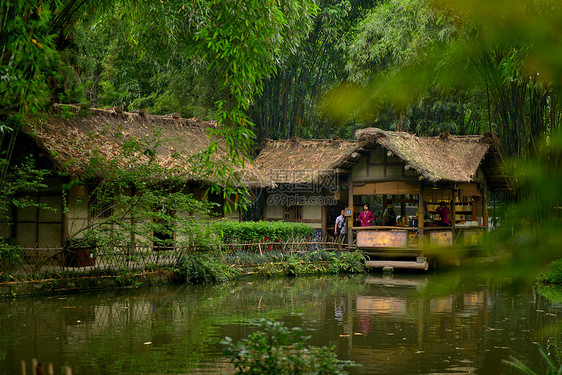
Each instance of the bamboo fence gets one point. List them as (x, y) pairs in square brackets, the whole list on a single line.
[(38, 261)]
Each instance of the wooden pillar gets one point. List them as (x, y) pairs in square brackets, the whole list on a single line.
[(350, 204), (485, 206), (324, 222), (421, 214), (453, 217), (403, 208)]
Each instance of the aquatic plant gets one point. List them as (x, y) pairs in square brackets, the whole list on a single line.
[(351, 262), (295, 266), (553, 367), (318, 256), (204, 268), (277, 349)]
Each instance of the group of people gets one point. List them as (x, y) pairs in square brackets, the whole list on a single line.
[(366, 218)]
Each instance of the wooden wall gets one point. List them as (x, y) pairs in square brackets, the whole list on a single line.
[(380, 164)]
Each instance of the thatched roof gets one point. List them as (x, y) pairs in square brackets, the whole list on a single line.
[(447, 157), (302, 160), (72, 141)]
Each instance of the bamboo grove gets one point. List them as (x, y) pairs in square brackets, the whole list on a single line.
[(311, 69)]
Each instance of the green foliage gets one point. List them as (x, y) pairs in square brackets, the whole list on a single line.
[(552, 274), (204, 268), (34, 70), (198, 58), (492, 53), (349, 262), (552, 292), (261, 231), (295, 266), (10, 255), (318, 256), (395, 32), (141, 203), (124, 277), (28, 56), (292, 95), (529, 235), (22, 177), (552, 369), (271, 263), (270, 269), (277, 349), (252, 258)]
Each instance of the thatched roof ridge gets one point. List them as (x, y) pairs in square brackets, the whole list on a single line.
[(72, 136), (446, 157), (302, 160)]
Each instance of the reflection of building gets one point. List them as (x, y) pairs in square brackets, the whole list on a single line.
[(392, 327), (381, 305), (441, 305)]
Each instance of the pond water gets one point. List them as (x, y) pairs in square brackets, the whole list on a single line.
[(416, 324)]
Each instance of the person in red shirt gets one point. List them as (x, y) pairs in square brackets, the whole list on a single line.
[(366, 217), (443, 212)]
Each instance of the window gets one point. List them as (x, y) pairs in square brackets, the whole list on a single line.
[(100, 202), (293, 213)]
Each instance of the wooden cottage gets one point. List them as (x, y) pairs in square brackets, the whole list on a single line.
[(70, 138), (416, 173), (308, 180)]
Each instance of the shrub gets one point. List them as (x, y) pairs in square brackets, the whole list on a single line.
[(277, 349), (318, 256), (295, 266), (260, 231), (552, 274), (351, 262), (204, 268), (10, 255), (248, 258)]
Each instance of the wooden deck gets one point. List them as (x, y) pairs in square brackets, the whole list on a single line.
[(407, 247)]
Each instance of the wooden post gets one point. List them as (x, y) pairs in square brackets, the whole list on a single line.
[(421, 214), (403, 213), (35, 369), (485, 206), (324, 220), (453, 211), (350, 204)]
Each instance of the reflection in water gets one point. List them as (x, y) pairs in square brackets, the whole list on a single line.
[(396, 325)]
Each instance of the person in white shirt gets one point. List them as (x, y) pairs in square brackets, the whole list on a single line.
[(340, 229)]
